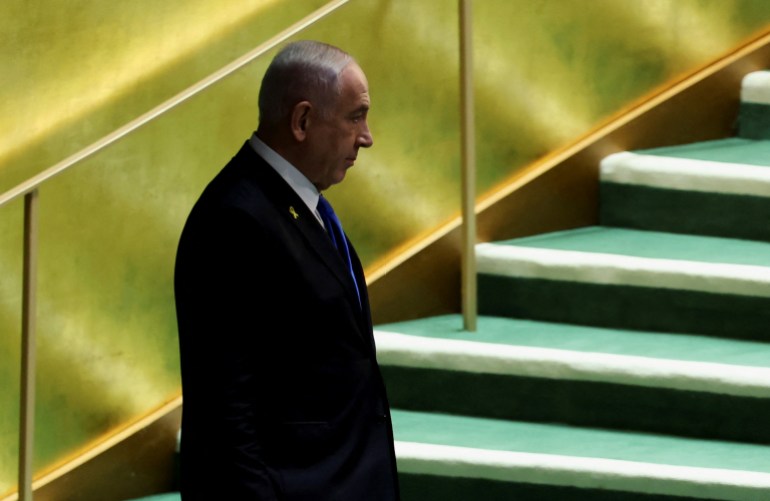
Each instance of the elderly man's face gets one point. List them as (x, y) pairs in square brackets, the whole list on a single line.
[(335, 139)]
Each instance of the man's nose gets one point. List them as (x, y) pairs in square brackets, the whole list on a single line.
[(365, 137)]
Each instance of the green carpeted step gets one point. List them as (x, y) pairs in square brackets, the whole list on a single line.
[(754, 113), (633, 279), (535, 334), (591, 463), (719, 188), (538, 371), (737, 153), (171, 496)]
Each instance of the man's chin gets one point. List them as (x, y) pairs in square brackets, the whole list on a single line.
[(330, 182), (340, 176)]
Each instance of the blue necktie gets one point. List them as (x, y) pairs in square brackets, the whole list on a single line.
[(334, 229)]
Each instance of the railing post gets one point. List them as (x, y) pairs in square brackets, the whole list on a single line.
[(28, 347), (468, 151)]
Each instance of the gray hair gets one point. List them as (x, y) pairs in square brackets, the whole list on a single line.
[(304, 70)]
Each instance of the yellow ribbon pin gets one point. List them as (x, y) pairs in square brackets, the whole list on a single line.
[(293, 212)]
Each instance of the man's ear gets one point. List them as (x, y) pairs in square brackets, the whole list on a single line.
[(300, 119)]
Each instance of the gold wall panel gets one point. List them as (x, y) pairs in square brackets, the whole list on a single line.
[(72, 71)]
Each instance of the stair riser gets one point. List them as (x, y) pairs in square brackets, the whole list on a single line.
[(677, 211), (579, 403), (416, 487), (754, 121), (626, 307)]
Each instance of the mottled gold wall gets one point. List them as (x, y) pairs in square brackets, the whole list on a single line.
[(73, 70)]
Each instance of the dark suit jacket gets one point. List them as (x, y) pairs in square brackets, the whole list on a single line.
[(283, 397)]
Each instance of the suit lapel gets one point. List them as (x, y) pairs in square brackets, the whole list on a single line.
[(296, 214)]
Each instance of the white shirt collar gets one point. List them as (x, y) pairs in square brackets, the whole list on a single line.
[(298, 182)]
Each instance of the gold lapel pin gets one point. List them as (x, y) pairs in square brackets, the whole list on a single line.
[(293, 212)]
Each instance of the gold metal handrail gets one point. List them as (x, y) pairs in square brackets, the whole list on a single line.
[(29, 189)]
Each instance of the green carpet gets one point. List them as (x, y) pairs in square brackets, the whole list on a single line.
[(755, 121), (597, 462), (654, 245), (705, 188), (562, 336), (171, 496), (570, 379), (630, 279), (680, 211), (421, 487), (733, 150), (513, 436)]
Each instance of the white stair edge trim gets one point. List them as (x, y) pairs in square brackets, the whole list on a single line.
[(583, 472), (755, 87), (614, 269), (685, 174), (491, 358)]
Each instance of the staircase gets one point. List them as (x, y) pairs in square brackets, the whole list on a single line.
[(625, 361)]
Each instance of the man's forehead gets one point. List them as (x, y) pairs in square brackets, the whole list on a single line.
[(355, 86)]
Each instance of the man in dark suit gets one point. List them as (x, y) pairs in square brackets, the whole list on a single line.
[(283, 397)]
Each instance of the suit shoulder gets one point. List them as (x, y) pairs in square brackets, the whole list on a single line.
[(238, 186)]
